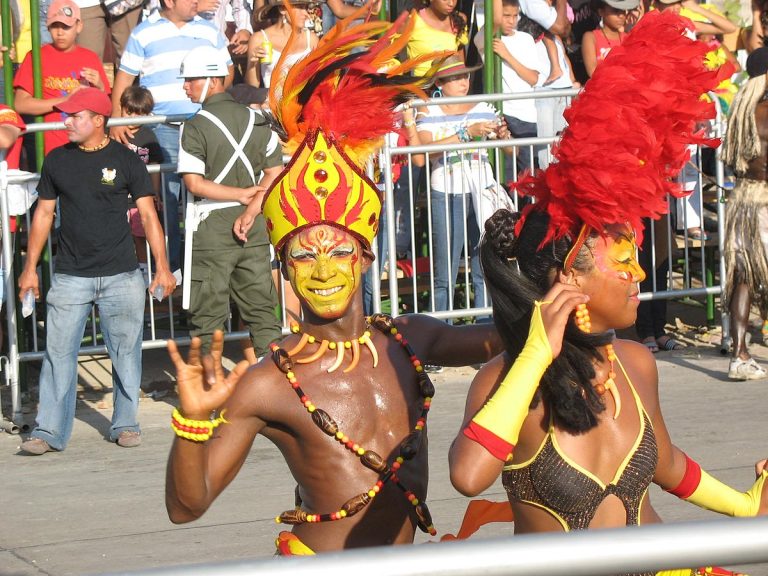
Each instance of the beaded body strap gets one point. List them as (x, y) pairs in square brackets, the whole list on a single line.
[(370, 459)]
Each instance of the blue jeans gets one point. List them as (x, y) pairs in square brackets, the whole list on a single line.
[(521, 129), (120, 299), (455, 219), (402, 232), (168, 138)]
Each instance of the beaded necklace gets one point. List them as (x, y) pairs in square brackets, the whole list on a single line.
[(99, 146), (584, 324), (340, 346), (370, 459)]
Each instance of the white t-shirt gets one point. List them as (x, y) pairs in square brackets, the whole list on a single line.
[(565, 80), (523, 49), (451, 170), (539, 11)]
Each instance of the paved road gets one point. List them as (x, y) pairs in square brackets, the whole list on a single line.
[(99, 508)]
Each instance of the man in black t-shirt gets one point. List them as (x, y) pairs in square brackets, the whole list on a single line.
[(92, 177)]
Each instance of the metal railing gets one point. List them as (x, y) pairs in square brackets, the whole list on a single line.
[(584, 553), (687, 284), (685, 279)]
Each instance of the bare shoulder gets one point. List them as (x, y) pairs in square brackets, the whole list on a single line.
[(635, 356), (255, 391), (640, 365)]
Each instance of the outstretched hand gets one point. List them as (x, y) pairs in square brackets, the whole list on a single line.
[(556, 307), (203, 385)]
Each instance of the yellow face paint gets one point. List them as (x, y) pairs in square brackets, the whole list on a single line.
[(617, 257), (324, 267)]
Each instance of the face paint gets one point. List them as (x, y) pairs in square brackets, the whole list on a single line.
[(617, 256), (324, 267)]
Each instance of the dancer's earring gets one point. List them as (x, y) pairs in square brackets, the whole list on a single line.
[(583, 321)]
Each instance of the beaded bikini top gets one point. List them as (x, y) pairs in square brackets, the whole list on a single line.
[(387, 470), (571, 494)]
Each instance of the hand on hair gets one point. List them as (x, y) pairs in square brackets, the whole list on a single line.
[(556, 308)]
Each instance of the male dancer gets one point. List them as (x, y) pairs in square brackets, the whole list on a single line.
[(345, 397)]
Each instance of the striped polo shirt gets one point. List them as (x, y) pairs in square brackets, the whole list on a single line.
[(154, 52)]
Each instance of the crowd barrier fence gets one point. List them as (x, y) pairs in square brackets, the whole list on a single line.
[(635, 550), (415, 290)]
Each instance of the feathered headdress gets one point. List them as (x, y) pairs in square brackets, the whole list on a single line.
[(334, 107), (628, 133)]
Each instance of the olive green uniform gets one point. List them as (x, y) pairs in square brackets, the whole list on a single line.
[(222, 265)]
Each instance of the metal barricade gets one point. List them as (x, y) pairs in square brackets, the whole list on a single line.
[(410, 281), (637, 549), (160, 327), (415, 290)]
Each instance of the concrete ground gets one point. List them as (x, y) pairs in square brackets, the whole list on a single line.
[(98, 508)]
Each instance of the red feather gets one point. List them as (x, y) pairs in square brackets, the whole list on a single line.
[(628, 132)]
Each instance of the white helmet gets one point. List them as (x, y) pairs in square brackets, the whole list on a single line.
[(204, 62)]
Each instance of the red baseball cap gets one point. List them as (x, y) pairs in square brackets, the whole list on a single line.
[(64, 11), (89, 98)]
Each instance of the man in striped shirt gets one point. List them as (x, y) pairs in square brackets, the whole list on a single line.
[(154, 53)]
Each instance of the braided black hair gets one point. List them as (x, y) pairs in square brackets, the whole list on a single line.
[(517, 272)]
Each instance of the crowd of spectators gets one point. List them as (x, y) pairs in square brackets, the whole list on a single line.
[(542, 44)]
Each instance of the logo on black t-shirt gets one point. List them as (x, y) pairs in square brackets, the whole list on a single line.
[(108, 176)]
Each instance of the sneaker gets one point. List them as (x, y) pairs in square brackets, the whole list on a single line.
[(128, 439), (745, 370), (432, 368), (36, 447)]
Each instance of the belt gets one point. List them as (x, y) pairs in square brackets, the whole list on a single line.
[(476, 157)]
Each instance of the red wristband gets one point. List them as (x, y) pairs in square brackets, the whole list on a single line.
[(690, 480), (498, 447)]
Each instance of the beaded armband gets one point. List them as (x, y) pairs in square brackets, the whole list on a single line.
[(195, 430), (463, 133)]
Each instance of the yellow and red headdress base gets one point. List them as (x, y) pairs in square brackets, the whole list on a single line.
[(628, 132), (334, 109), (320, 185)]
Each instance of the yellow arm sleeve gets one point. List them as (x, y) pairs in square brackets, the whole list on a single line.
[(504, 413), (718, 497)]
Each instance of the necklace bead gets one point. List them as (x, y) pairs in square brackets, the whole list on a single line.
[(368, 458), (99, 146)]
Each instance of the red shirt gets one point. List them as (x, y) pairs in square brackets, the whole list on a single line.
[(61, 75), (10, 117)]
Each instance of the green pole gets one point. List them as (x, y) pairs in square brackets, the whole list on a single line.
[(490, 68), (5, 14), (37, 76)]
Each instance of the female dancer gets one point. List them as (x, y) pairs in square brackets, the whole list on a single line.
[(569, 415)]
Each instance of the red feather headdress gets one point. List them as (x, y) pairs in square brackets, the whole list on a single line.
[(628, 132), (334, 108)]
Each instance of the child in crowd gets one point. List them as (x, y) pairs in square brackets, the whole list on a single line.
[(520, 72), (596, 44), (66, 67), (554, 57), (138, 101)]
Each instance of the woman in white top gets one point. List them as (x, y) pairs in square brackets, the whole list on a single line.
[(259, 72), (463, 191)]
